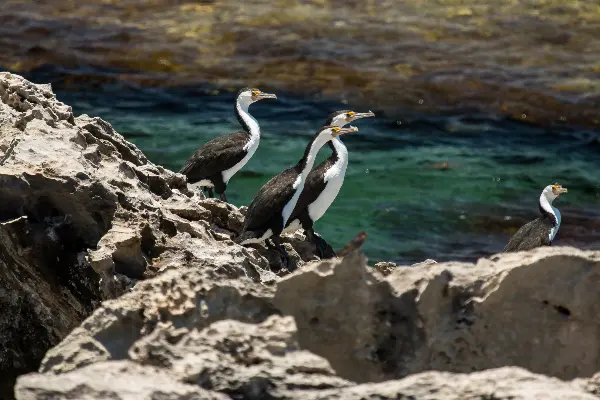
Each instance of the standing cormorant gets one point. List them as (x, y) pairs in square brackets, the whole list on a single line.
[(324, 181), (269, 211), (541, 231), (215, 162)]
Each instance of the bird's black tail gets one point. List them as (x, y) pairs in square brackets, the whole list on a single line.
[(245, 235)]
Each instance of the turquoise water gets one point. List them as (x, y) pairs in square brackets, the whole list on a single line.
[(429, 186)]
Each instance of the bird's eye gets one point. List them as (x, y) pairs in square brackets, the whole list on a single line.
[(335, 128), (256, 92), (350, 114)]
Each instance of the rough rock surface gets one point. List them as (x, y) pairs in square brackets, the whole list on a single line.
[(508, 383), (85, 216), (91, 231), (539, 310), (231, 359)]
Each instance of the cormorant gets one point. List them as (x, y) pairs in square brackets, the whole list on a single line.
[(215, 162), (541, 231), (269, 211), (324, 181)]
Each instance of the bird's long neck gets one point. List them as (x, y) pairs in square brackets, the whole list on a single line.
[(340, 152), (247, 121), (547, 210), (308, 160)]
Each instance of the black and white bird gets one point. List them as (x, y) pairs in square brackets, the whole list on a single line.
[(271, 208), (215, 162), (541, 231), (325, 181)]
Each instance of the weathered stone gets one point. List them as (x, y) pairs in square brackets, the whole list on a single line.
[(118, 380), (85, 216), (508, 383), (539, 310), (91, 231)]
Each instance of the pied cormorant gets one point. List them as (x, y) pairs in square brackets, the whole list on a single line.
[(215, 162), (271, 208), (541, 231), (324, 181)]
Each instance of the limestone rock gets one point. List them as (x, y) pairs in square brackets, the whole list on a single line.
[(508, 383), (119, 380), (85, 217), (172, 308), (241, 360), (189, 295), (539, 310)]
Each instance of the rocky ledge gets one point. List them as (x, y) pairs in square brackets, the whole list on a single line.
[(118, 281)]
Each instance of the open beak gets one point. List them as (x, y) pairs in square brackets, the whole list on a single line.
[(263, 95), (363, 115), (344, 130)]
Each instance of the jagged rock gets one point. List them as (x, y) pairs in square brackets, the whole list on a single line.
[(539, 310), (250, 361), (85, 217), (231, 359), (508, 383), (189, 294), (242, 360), (385, 267), (118, 380)]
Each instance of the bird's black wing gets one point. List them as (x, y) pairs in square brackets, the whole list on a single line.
[(313, 186), (270, 200), (531, 235), (217, 155)]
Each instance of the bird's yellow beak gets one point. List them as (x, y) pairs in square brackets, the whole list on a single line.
[(558, 189), (337, 131), (258, 95), (353, 116)]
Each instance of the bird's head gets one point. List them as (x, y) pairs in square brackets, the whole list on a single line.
[(344, 117), (553, 191), (331, 132), (247, 96)]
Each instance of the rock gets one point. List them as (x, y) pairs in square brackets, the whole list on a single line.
[(508, 383), (118, 380), (250, 361), (189, 293), (85, 217), (91, 231), (385, 267), (539, 310), (242, 360)]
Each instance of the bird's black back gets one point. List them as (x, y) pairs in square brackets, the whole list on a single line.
[(531, 235), (219, 154), (270, 200)]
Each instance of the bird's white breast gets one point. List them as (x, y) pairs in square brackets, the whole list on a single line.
[(250, 149), (334, 178)]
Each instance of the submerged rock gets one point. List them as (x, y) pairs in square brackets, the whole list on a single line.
[(117, 281)]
